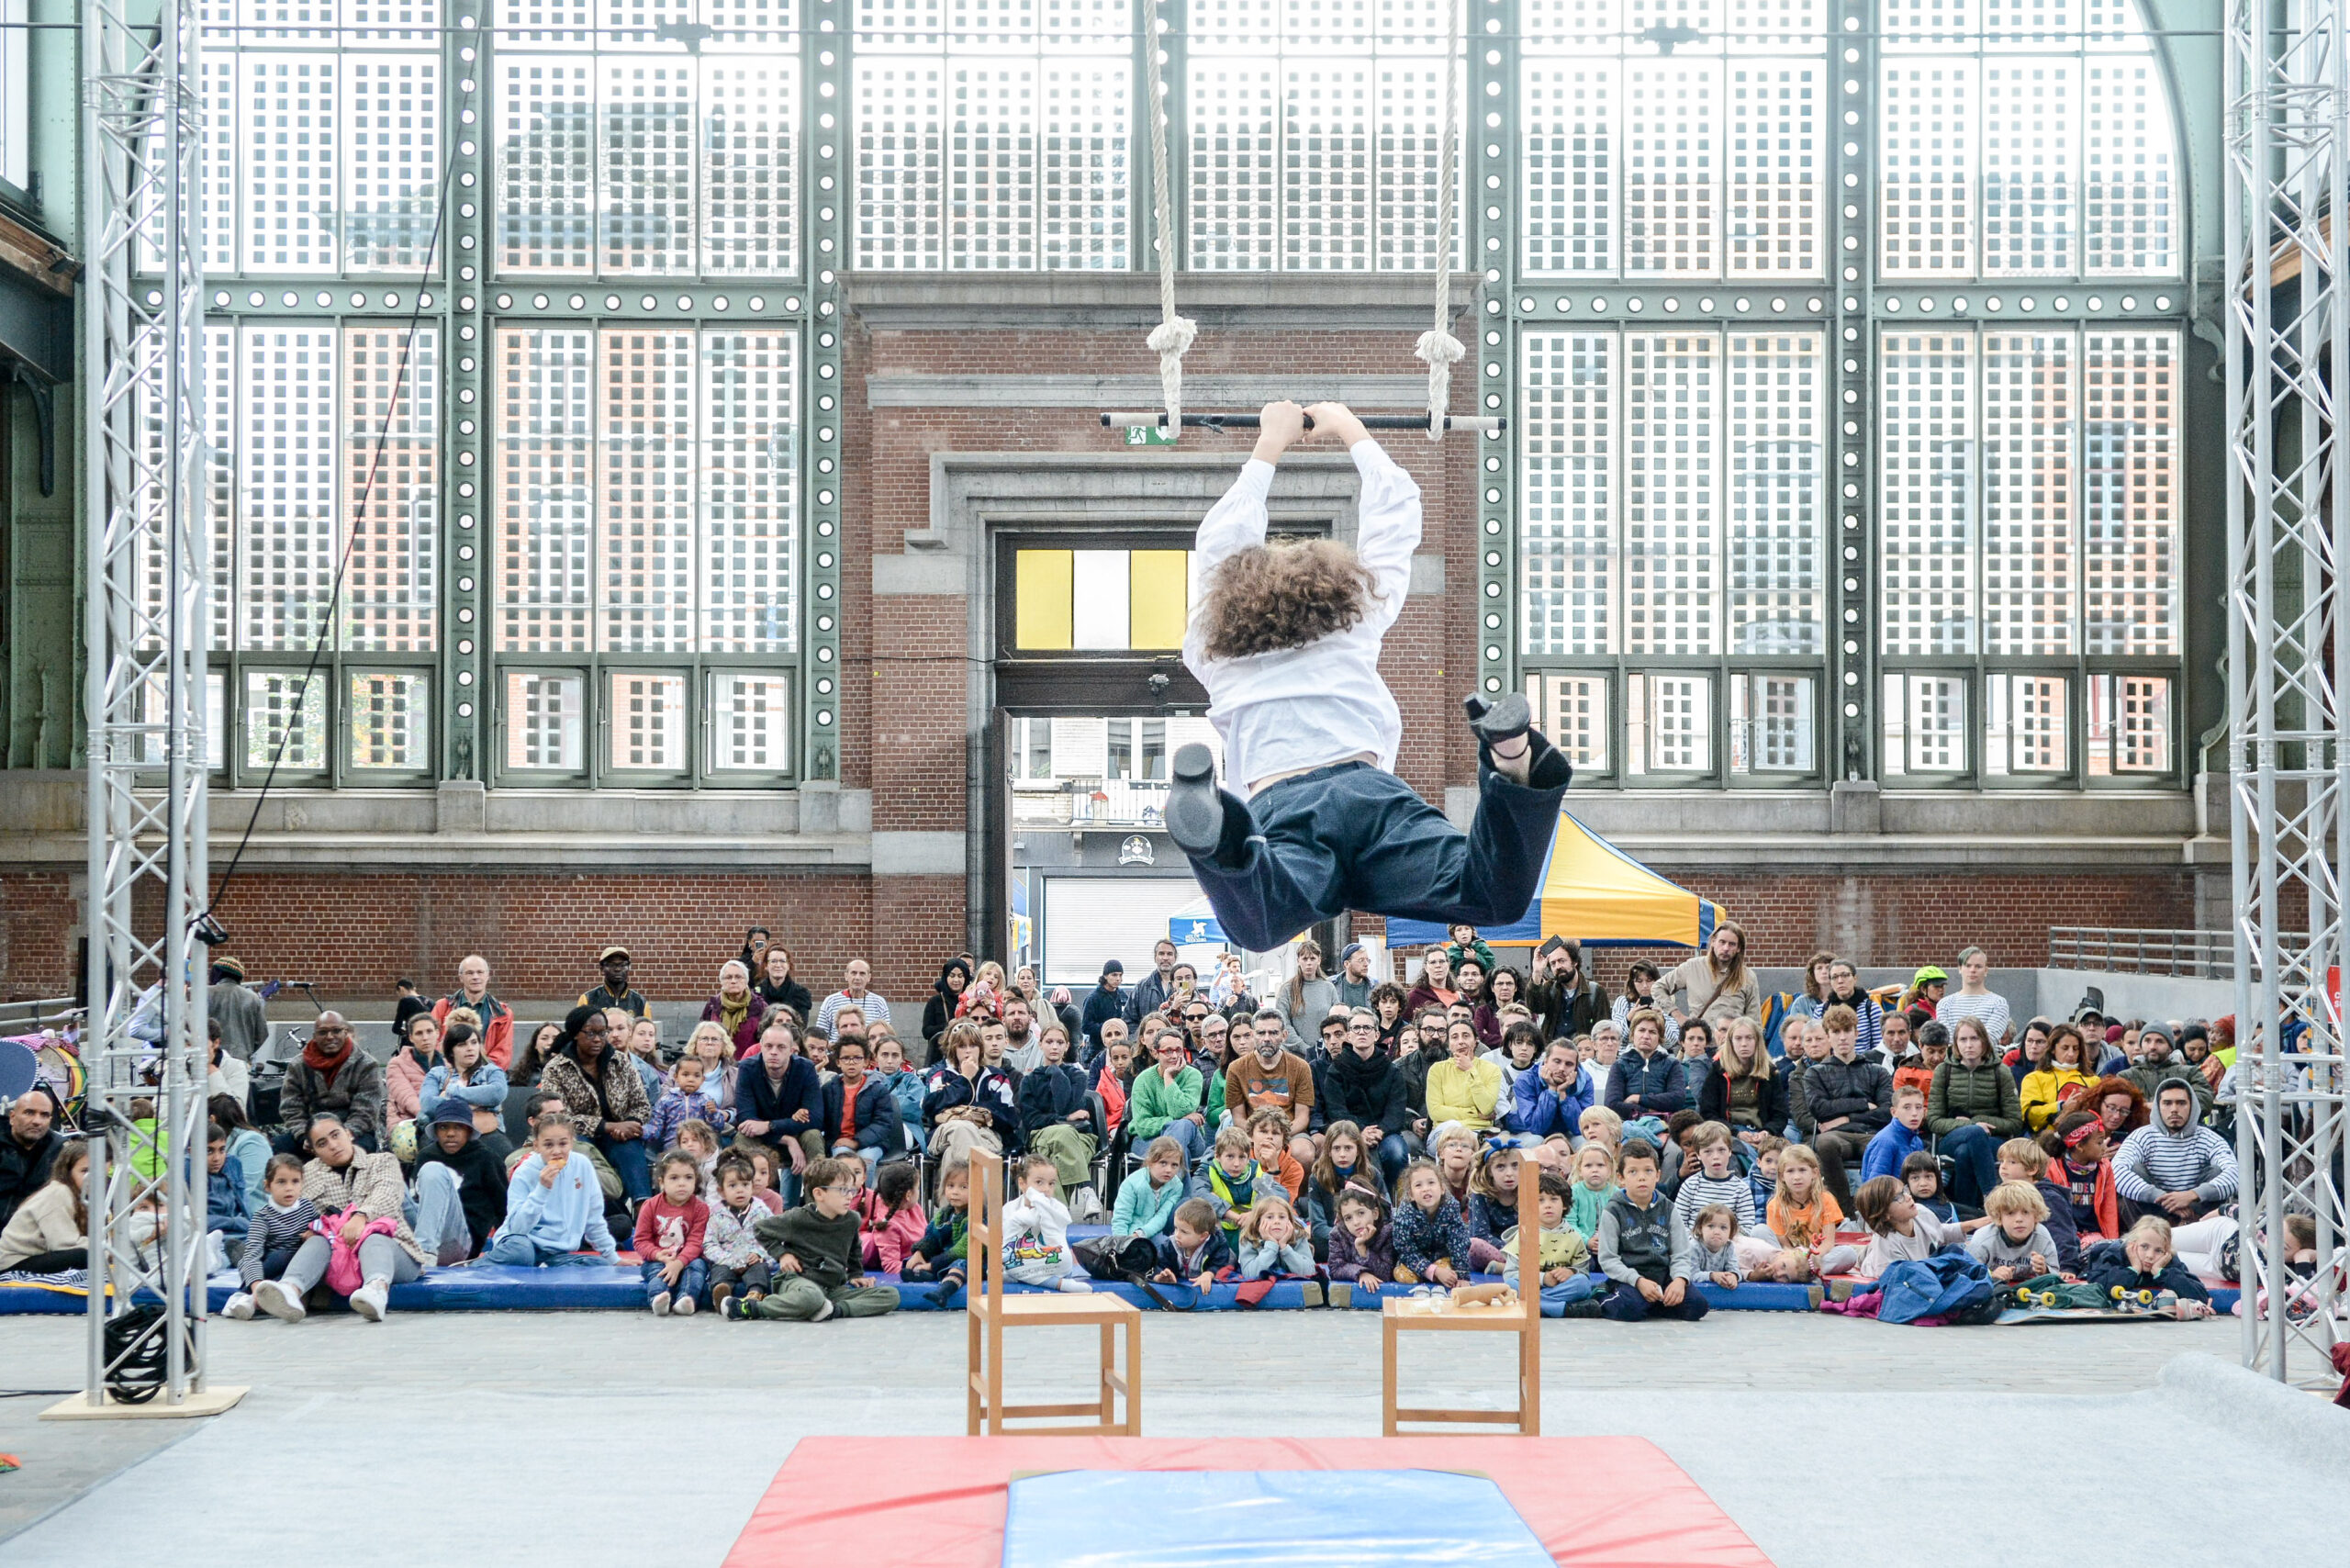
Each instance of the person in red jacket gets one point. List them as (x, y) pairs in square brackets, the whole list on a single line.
[(497, 1018)]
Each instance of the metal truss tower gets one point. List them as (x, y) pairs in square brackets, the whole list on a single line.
[(2287, 197), (146, 605)]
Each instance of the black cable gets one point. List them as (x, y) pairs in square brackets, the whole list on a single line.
[(36, 1393), (359, 514)]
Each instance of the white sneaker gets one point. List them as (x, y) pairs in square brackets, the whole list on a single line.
[(239, 1306), (685, 1308), (661, 1304), (273, 1297), (1076, 1286), (370, 1300), (823, 1312)]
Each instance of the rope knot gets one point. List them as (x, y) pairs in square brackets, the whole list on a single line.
[(1440, 350)]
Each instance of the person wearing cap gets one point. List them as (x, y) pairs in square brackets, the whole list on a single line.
[(616, 992), (473, 991), (1108, 1000), (1152, 995), (1354, 983), (244, 1022), (460, 1187), (1926, 988)]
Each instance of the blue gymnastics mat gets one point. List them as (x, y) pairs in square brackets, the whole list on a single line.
[(1319, 1519)]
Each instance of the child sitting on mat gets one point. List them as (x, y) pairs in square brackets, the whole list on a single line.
[(1716, 1178), (816, 1254), (1713, 1254), (1594, 1184), (738, 1262), (278, 1230), (1643, 1247), (893, 1216), (2016, 1245), (1562, 1258), (1193, 1251), (1273, 1247), (2021, 1159), (1803, 1216), (1362, 1245), (1227, 1182), (941, 1260), (2147, 1263), (1491, 1213), (1431, 1239), (1036, 1230), (1148, 1197), (1286, 640), (554, 1207), (670, 1227), (1899, 1231)]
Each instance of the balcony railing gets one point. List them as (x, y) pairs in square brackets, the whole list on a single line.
[(2201, 955), (1091, 802)]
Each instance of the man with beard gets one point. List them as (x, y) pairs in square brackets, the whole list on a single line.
[(335, 1077)]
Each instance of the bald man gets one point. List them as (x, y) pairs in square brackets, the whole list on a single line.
[(332, 1074), (497, 1018)]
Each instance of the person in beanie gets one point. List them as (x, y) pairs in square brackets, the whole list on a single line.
[(460, 1188), (244, 1022), (1354, 983), (616, 992), (1108, 1000)]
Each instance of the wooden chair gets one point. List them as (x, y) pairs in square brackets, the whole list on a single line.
[(992, 1311), (1399, 1316)]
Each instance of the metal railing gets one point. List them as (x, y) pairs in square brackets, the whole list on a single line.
[(2122, 951), (1091, 802), (39, 1013)]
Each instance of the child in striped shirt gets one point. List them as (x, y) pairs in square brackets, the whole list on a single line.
[(1716, 1181), (279, 1229)]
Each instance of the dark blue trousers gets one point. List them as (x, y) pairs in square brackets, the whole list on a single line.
[(1355, 836)]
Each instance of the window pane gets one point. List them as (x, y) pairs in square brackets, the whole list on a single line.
[(544, 455), (1572, 711), (391, 405), (2029, 217), (749, 492), (1672, 133), (290, 527), (2129, 463), (1925, 723), (1569, 140), (283, 708), (750, 112), (647, 720), (2025, 721), (1927, 110), (1775, 455), (1771, 723), (395, 152), (2127, 188), (292, 215), (546, 162), (2130, 724), (544, 720), (646, 505), (1928, 436), (1671, 539), (2030, 603), (752, 720), (1154, 750), (1774, 167), (390, 719), (1671, 723), (647, 152), (1567, 473)]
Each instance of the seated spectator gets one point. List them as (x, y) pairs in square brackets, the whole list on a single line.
[(1430, 1235), (226, 1213), (670, 1228), (1151, 1193), (2174, 1166), (1648, 1082), (1643, 1247), (1922, 1174), (1490, 1212), (1602, 1125), (2015, 1246), (1742, 1088), (1194, 1250), (738, 1008), (1714, 1255), (1269, 1146), (2120, 1106), (1843, 1102), (860, 1116), (1273, 1247), (2158, 1062), (1918, 1067), (1562, 1258), (1227, 1182), (246, 1146), (947, 995), (1899, 1230), (2081, 1159), (1594, 1183), (2021, 1159), (905, 1086), (1035, 1231), (1972, 1107), (1763, 1180), (334, 1077), (491, 1016), (460, 1187), (404, 1073), (604, 1097), (227, 1073), (2053, 1088), (642, 1038), (1717, 1180), (1362, 1245), (1549, 1101), (777, 986), (554, 1207), (1899, 1138), (942, 1259), (361, 1194), (1267, 1077), (1058, 1120), (817, 1254), (1803, 1216), (49, 1232), (1169, 1099), (2030, 1053), (280, 1226), (1364, 1087), (684, 1100), (525, 1067), (779, 1101), (893, 1220), (2147, 1264), (1343, 1165), (464, 1072), (738, 1264)]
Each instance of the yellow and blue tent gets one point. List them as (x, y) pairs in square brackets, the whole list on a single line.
[(1595, 895)]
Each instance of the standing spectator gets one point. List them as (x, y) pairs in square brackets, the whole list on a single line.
[(1158, 987), (27, 1147), (1972, 1109), (244, 1022), (1716, 985), (497, 1018), (1926, 988), (1566, 1001), (854, 979), (1976, 1000), (946, 994), (1107, 1002), (1876, 1028), (1354, 983), (737, 1009), (1845, 1101), (1435, 989), (333, 1075), (603, 1096), (2173, 1167), (616, 992), (777, 987), (365, 1188), (1308, 997)]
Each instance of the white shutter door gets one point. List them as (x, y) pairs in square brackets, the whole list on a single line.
[(1080, 747), (1089, 920)]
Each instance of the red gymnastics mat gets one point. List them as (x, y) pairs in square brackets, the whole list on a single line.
[(940, 1502)]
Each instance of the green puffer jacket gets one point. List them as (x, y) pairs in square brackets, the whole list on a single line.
[(1962, 1094)]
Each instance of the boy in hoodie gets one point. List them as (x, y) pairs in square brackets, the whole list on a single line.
[(460, 1187), (225, 1209), (1644, 1248), (1562, 1261), (818, 1255), (1193, 1251)]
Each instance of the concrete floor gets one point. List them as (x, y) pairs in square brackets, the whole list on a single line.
[(1830, 1442)]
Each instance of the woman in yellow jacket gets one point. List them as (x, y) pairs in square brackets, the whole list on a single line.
[(1464, 1087), (2048, 1090)]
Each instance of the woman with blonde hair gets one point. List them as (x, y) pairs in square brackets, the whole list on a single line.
[(710, 1043), (1743, 1090)]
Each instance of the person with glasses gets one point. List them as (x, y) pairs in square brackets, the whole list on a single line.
[(1215, 1043), (1364, 1086), (1170, 1098)]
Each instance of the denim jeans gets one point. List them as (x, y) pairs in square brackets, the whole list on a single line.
[(632, 1160), (1188, 1133), (524, 1253), (690, 1281), (1395, 1151), (440, 1219), (1355, 836), (1973, 1154), (1580, 1288)]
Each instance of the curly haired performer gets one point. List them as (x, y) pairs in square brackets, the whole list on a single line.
[(1286, 640)]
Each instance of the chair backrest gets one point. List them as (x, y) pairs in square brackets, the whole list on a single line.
[(986, 1286), (1529, 1238)]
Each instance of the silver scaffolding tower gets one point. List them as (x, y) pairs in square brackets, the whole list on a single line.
[(146, 607), (2286, 199)]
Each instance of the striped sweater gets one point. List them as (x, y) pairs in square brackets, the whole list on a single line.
[(2155, 1160), (274, 1230), (1732, 1192)]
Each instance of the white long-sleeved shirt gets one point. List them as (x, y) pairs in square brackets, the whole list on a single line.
[(1300, 708)]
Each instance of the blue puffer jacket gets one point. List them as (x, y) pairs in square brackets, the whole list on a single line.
[(224, 1205), (1658, 1079), (1539, 1110)]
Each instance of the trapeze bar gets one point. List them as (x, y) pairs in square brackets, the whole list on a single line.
[(1115, 419)]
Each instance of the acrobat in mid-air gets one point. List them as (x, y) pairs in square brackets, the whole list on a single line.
[(1286, 639)]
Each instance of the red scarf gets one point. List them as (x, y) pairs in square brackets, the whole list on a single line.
[(318, 1061)]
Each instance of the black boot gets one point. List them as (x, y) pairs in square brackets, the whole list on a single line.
[(1505, 718), (1205, 822)]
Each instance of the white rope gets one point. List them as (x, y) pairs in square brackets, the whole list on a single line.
[(1174, 334), (1437, 347)]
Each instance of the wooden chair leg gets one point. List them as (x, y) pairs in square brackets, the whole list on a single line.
[(1109, 1368), (1530, 1381), (1133, 1376), (975, 1370), (1387, 1377)]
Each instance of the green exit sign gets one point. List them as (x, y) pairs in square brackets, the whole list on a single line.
[(1150, 435)]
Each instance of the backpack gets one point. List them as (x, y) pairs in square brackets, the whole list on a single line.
[(1121, 1261), (1944, 1286)]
